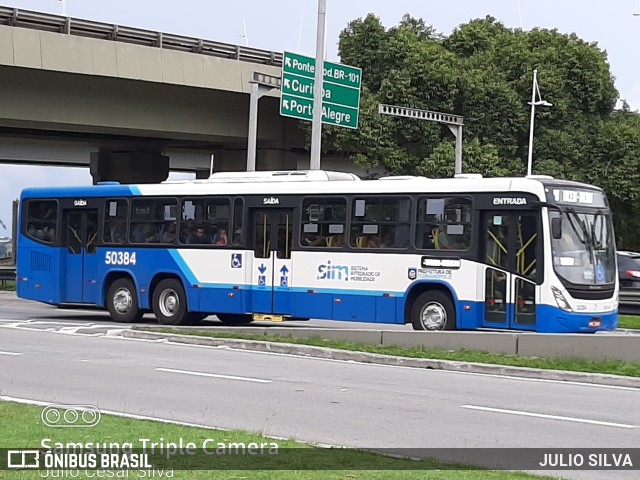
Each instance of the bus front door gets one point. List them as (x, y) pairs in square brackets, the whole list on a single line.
[(272, 235), (80, 237), (511, 253)]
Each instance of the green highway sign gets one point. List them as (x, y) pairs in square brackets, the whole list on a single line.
[(302, 108), (340, 90)]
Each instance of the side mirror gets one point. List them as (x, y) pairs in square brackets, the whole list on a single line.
[(556, 228)]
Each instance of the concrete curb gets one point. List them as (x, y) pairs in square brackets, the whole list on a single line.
[(375, 358)]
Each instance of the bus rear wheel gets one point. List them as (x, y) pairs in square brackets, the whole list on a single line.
[(122, 301), (234, 319), (169, 303), (433, 310)]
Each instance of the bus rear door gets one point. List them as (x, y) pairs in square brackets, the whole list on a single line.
[(511, 252), (272, 236), (79, 262)]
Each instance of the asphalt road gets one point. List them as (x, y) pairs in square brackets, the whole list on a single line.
[(70, 359)]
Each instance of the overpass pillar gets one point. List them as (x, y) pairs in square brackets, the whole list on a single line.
[(129, 167)]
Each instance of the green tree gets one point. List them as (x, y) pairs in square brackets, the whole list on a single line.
[(483, 71)]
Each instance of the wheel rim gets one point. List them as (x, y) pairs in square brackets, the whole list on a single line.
[(433, 316), (169, 302), (122, 300)]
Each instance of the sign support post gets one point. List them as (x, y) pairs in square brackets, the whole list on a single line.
[(261, 84), (454, 122), (316, 125)]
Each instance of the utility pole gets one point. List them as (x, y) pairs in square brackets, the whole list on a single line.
[(316, 125)]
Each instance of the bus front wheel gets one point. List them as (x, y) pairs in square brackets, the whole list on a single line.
[(170, 303), (122, 301), (433, 310)]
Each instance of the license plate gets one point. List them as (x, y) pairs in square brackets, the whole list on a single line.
[(595, 322)]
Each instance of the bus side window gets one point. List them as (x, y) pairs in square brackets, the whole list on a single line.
[(42, 219), (323, 222), (115, 222), (380, 222)]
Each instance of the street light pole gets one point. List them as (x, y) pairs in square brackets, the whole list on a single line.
[(316, 125), (533, 113), (534, 89)]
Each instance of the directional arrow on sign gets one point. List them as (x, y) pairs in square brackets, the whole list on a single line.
[(262, 268), (284, 270)]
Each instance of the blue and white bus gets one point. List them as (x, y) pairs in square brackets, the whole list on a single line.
[(468, 252)]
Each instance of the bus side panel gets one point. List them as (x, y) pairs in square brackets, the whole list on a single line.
[(354, 307), (219, 275), (142, 265), (386, 310), (221, 300), (38, 272), (469, 314), (312, 304)]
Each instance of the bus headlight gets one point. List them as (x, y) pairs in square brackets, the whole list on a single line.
[(560, 300)]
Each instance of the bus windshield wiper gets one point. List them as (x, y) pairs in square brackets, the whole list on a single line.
[(588, 241)]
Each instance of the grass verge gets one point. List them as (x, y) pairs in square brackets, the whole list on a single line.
[(628, 321), (8, 285), (614, 367), (23, 428)]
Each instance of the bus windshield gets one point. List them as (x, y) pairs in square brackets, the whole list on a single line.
[(585, 252)]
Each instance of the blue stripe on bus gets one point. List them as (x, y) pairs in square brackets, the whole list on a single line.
[(81, 191), (183, 267)]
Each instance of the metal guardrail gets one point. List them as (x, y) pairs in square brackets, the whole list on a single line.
[(7, 273), (86, 28), (629, 302)]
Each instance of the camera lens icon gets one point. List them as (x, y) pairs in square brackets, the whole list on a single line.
[(70, 416)]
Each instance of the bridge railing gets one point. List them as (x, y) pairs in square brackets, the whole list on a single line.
[(86, 28)]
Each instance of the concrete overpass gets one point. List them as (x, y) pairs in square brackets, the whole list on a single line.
[(74, 89)]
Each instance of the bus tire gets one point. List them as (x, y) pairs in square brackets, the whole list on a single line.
[(234, 319), (122, 301), (169, 303), (433, 310)]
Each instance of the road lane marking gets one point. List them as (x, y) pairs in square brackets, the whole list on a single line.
[(422, 370), (214, 375), (543, 380), (551, 417), (9, 353)]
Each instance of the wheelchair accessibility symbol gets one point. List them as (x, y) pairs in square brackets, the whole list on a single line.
[(236, 260)]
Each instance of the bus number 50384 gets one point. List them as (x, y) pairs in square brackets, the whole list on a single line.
[(120, 258)]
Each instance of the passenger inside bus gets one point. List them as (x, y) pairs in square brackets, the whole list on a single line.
[(221, 237), (169, 234), (335, 241), (199, 237), (389, 239), (373, 242), (150, 234), (118, 232)]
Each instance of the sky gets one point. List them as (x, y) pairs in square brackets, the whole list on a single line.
[(291, 25)]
